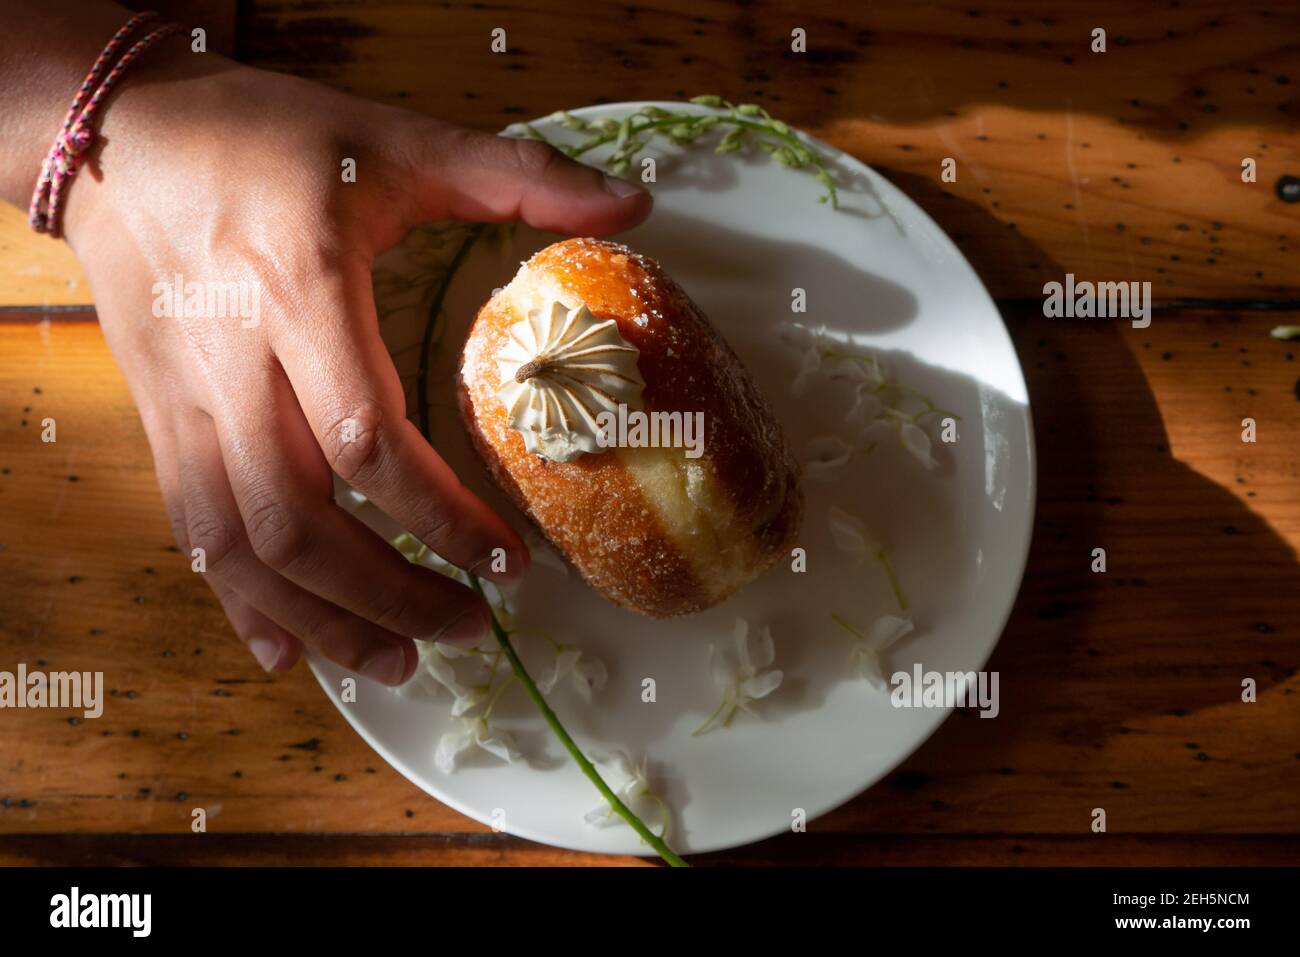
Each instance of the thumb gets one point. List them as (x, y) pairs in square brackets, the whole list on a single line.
[(465, 174)]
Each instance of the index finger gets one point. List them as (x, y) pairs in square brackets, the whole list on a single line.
[(351, 396)]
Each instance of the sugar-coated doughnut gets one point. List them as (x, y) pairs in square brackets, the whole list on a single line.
[(568, 377)]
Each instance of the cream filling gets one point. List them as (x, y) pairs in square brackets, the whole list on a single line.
[(696, 515)]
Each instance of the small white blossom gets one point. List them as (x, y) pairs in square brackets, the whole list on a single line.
[(875, 431), (587, 674), (916, 442), (870, 415), (863, 372), (473, 732), (850, 534), (851, 537), (866, 409), (823, 361), (469, 686), (827, 454), (464, 672), (421, 683), (883, 634), (743, 673), (630, 784)]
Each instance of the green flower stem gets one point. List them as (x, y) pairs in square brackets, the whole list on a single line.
[(435, 310), (517, 666), (768, 127), (588, 769), (708, 722), (882, 556)]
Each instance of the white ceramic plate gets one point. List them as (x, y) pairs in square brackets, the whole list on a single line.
[(739, 234)]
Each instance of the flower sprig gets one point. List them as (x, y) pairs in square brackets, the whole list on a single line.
[(852, 538), (737, 126), (584, 763), (881, 406), (884, 633), (474, 703), (743, 673)]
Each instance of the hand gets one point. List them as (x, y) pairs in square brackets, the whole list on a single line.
[(220, 173)]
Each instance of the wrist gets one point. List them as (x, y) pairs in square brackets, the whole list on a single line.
[(153, 115), (45, 57)]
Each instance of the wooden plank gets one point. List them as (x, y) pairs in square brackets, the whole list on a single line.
[(1123, 165), (1119, 690), (1116, 165), (36, 270), (491, 850)]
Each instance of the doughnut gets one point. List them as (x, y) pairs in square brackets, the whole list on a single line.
[(616, 418)]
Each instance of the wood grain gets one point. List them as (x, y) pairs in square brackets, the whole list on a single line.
[(495, 850), (1123, 165), (1120, 690)]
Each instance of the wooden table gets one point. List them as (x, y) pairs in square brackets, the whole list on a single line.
[(1117, 166)]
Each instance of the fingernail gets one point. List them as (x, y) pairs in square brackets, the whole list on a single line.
[(266, 651), (387, 665), (469, 628), (621, 187)]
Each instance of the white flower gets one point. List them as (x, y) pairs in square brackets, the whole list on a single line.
[(469, 690), (631, 786), (862, 371), (473, 732), (587, 673), (870, 415), (421, 683), (917, 443), (827, 454), (743, 673), (465, 672), (877, 429), (850, 535), (866, 408), (852, 538), (884, 632), (820, 363)]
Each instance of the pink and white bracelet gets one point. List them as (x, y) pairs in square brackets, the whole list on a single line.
[(76, 137)]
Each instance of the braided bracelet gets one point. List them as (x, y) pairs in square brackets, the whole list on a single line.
[(76, 137)]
